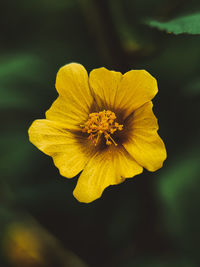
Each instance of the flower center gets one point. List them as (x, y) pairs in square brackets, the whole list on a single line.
[(101, 123)]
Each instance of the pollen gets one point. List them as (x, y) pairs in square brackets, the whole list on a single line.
[(99, 124)]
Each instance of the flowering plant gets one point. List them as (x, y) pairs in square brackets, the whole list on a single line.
[(102, 125)]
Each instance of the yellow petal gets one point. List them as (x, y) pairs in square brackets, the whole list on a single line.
[(136, 88), (73, 104), (144, 144), (104, 85), (123, 92), (108, 168), (67, 152)]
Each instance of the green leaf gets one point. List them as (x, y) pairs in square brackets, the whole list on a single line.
[(185, 24)]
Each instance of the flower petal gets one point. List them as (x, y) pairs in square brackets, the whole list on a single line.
[(144, 144), (68, 154), (122, 92), (104, 85), (73, 104), (136, 88), (108, 168)]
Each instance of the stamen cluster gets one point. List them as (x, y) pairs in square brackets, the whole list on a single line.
[(99, 123)]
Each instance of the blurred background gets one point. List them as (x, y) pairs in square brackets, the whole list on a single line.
[(151, 220)]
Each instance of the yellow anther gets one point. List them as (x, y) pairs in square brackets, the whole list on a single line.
[(100, 123)]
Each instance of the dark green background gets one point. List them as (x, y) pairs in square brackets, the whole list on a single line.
[(150, 220)]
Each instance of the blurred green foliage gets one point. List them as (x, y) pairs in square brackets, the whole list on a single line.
[(186, 24), (177, 190), (14, 71), (151, 220)]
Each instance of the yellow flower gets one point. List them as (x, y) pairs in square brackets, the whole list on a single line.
[(102, 125)]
